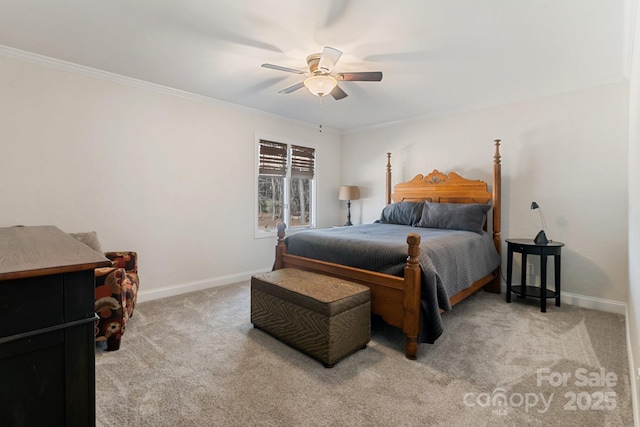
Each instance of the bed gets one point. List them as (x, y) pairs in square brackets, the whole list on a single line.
[(418, 267)]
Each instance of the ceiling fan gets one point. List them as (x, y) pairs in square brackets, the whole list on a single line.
[(320, 81)]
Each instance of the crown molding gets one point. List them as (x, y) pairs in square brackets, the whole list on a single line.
[(13, 53), (496, 103)]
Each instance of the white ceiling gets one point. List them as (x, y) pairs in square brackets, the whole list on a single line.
[(437, 56)]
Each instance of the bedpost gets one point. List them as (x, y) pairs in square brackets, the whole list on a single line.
[(281, 246), (411, 320), (497, 196), (388, 185), (495, 285)]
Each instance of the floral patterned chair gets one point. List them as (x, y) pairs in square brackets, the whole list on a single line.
[(116, 293)]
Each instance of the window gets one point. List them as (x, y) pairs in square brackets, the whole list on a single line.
[(286, 190)]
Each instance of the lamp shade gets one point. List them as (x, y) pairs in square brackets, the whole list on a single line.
[(349, 192), (320, 85)]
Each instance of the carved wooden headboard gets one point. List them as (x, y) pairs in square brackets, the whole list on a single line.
[(440, 188), (452, 188)]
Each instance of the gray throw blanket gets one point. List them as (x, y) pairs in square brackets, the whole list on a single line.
[(450, 260)]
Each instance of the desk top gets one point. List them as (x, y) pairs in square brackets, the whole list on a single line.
[(43, 250), (530, 242)]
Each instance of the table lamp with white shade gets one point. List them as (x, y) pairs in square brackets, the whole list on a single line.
[(349, 193)]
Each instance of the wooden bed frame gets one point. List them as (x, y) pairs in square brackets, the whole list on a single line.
[(397, 299)]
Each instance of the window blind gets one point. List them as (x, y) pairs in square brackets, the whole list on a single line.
[(273, 158), (302, 162)]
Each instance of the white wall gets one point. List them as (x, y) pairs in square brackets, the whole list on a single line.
[(168, 176), (567, 152), (633, 315), (71, 142)]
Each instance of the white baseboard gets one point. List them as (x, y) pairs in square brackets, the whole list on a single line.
[(583, 301), (593, 303), (610, 306), (183, 288)]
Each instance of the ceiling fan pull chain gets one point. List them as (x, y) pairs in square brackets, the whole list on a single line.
[(320, 128)]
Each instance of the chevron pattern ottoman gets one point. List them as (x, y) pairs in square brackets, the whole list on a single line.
[(322, 316)]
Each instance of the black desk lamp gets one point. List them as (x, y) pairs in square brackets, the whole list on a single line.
[(541, 237), (349, 193)]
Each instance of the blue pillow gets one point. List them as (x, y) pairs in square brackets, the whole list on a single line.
[(454, 216), (403, 213)]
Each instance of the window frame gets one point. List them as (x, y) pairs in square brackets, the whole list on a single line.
[(270, 233)]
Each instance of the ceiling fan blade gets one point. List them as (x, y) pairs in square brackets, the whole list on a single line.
[(338, 93), (292, 88), (280, 68), (328, 59), (363, 76)]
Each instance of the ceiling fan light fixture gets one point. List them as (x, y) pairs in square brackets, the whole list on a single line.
[(320, 85)]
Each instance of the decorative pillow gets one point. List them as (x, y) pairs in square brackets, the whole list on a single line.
[(403, 213), (90, 239), (454, 216)]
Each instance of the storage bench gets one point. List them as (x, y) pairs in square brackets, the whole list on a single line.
[(325, 317)]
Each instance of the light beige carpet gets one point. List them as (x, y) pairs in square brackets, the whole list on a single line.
[(195, 360)]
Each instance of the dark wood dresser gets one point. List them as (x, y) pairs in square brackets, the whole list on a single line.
[(47, 350)]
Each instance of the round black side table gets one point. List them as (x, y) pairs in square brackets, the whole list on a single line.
[(529, 247)]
